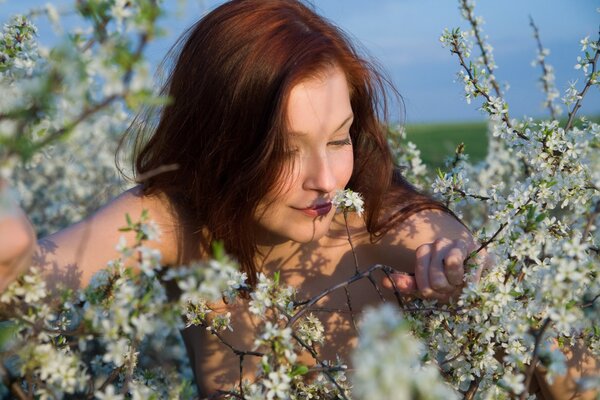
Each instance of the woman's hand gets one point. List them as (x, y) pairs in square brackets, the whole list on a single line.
[(439, 270), (17, 239)]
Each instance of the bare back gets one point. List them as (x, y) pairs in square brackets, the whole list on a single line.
[(76, 253), (312, 269)]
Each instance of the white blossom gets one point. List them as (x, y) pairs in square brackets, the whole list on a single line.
[(347, 200)]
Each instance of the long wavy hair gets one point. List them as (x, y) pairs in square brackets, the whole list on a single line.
[(224, 127)]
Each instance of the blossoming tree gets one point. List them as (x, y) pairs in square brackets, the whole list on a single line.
[(534, 204)]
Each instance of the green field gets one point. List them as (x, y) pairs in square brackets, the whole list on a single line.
[(438, 141)]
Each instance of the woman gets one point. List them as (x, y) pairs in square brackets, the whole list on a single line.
[(273, 111)]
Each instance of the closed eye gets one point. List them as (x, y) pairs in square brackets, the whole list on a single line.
[(344, 142)]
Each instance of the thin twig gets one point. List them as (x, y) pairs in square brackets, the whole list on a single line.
[(591, 219), (12, 384), (326, 368), (480, 43), (350, 241), (349, 300), (545, 68), (534, 359), (456, 50), (110, 379), (473, 387), (335, 287), (588, 84), (591, 302)]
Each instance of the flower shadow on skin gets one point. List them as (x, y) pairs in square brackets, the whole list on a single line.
[(57, 277)]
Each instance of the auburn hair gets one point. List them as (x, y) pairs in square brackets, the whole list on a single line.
[(224, 127)]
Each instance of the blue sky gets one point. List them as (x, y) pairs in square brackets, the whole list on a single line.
[(403, 36)]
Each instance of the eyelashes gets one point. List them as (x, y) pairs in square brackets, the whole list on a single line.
[(338, 143), (345, 142)]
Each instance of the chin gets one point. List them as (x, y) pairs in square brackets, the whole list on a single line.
[(311, 232), (300, 230)]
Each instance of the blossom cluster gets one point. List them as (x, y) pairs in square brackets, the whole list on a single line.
[(64, 108), (348, 201), (533, 203), (105, 340)]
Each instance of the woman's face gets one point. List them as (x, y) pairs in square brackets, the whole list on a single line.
[(320, 160)]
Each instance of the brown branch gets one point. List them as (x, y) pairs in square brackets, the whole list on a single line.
[(329, 310), (329, 369), (534, 359), (452, 311), (591, 302), (237, 352), (326, 368), (399, 298), (12, 384), (349, 300), (111, 378), (456, 50), (350, 241), (333, 288), (582, 94), (545, 68), (356, 269), (474, 196), (88, 112), (593, 215), (65, 130), (473, 387), (479, 40)]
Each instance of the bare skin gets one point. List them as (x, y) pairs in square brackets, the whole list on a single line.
[(17, 239), (75, 254), (311, 251), (311, 268)]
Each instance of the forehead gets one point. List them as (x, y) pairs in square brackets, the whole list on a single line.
[(317, 105)]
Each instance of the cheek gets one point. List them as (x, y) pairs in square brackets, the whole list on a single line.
[(286, 181), (344, 167)]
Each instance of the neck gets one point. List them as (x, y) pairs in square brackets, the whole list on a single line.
[(271, 257)]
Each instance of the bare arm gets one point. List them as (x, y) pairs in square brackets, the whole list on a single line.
[(17, 241), (580, 363), (432, 245), (73, 255), (432, 228), (76, 253)]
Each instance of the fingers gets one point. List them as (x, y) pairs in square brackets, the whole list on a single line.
[(423, 260), (454, 264), (437, 274), (439, 271), (405, 283)]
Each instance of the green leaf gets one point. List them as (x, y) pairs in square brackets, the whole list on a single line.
[(218, 250), (299, 370), (541, 217), (440, 173)]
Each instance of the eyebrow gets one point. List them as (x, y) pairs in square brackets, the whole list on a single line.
[(351, 116)]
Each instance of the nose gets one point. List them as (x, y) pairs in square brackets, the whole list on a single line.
[(319, 174)]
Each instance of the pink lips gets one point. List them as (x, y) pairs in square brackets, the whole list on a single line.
[(317, 210)]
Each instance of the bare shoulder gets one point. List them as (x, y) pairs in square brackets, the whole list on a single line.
[(78, 251), (425, 227), (398, 245)]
